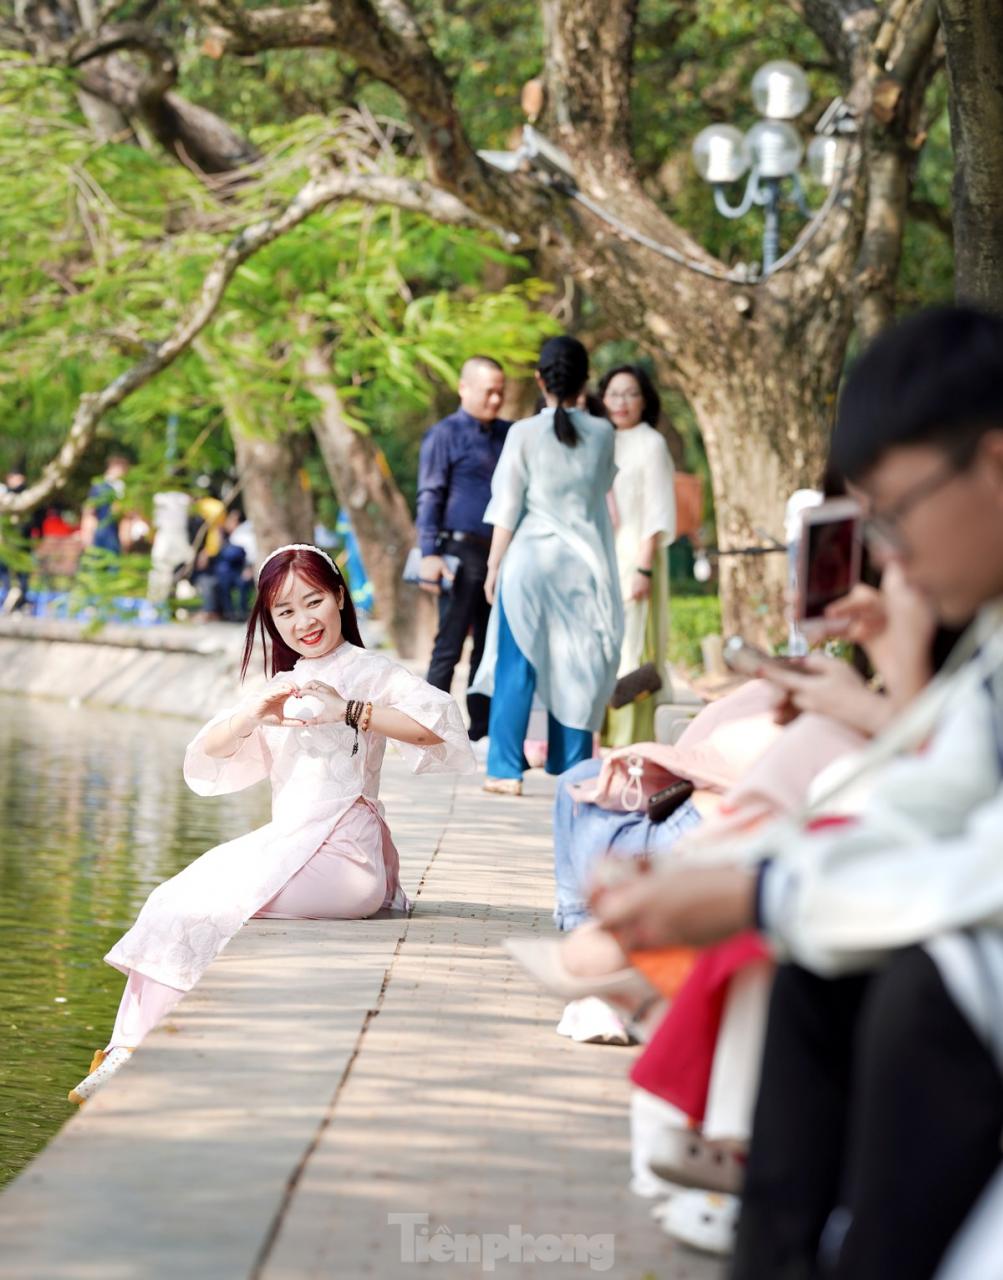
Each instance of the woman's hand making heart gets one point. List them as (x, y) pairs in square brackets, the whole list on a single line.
[(332, 705), (263, 708)]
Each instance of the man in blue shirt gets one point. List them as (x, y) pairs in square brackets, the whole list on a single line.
[(457, 460)]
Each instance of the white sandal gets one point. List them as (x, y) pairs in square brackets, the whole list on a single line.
[(503, 786), (104, 1065)]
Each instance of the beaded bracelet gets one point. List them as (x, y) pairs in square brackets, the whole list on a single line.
[(357, 716), (352, 712)]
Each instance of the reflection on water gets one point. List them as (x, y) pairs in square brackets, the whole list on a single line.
[(93, 814)]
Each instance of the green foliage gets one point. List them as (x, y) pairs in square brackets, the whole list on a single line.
[(106, 586), (690, 619), (115, 242), (926, 274), (89, 223)]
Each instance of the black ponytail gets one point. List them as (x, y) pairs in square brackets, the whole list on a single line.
[(564, 368)]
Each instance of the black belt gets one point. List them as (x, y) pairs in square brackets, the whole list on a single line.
[(475, 539)]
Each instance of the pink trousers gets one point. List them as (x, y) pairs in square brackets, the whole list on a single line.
[(346, 879)]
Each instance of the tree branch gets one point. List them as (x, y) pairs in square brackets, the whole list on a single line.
[(246, 31), (384, 38), (191, 134), (136, 38), (845, 28), (917, 34), (405, 193), (897, 80)]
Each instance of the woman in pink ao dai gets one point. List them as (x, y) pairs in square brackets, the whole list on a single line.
[(317, 732)]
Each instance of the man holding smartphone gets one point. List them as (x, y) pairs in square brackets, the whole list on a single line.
[(881, 1097), (457, 460)]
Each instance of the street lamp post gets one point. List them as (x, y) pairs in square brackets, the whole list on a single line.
[(771, 151)]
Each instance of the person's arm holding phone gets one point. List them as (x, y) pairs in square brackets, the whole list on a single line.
[(895, 626), (830, 687), (825, 686)]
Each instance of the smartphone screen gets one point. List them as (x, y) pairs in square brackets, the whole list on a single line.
[(831, 556)]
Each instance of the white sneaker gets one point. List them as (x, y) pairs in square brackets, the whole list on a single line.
[(103, 1067), (703, 1220), (593, 1021)]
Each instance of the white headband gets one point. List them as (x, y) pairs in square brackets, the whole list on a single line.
[(297, 546)]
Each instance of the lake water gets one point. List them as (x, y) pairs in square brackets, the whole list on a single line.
[(93, 814)]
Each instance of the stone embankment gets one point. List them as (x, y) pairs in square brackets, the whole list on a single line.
[(167, 669)]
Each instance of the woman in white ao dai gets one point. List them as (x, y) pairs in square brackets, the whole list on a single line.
[(644, 518)]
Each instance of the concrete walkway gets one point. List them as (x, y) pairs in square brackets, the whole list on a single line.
[(350, 1098)]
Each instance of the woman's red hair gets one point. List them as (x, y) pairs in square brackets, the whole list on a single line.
[(313, 568)]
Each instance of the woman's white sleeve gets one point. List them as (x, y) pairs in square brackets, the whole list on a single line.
[(508, 484), (659, 494), (394, 686), (218, 776)]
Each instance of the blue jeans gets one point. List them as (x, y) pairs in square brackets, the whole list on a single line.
[(511, 703), (584, 833)]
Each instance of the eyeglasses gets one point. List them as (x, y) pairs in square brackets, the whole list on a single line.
[(616, 397), (883, 528)]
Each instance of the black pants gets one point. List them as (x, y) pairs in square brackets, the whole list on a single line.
[(461, 610), (877, 1125)]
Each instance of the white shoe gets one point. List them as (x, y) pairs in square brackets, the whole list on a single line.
[(480, 750), (103, 1067), (593, 1021), (704, 1220)]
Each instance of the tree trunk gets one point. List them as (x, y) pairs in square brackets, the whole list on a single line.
[(973, 32), (273, 495), (765, 438), (379, 513)]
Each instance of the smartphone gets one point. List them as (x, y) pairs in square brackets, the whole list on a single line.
[(412, 568), (829, 551), (747, 660)]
